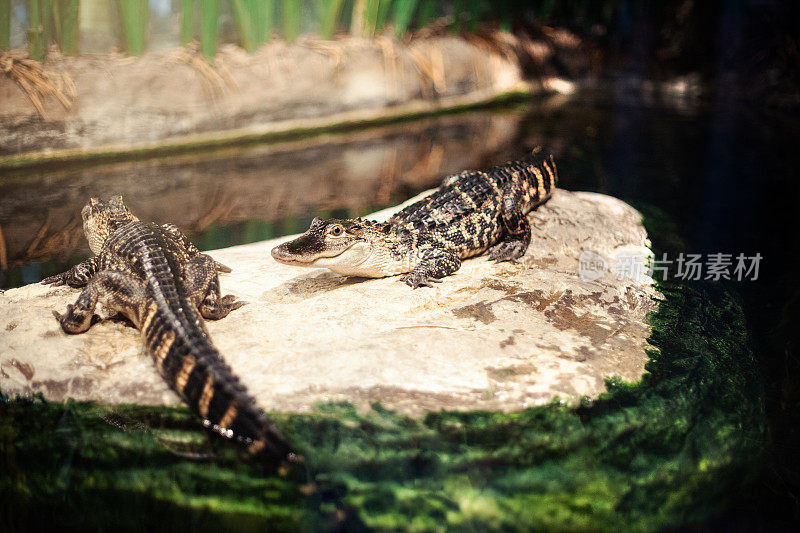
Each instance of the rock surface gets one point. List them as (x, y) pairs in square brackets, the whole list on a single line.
[(493, 336)]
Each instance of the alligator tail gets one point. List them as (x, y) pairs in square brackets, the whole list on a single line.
[(538, 170), (195, 369)]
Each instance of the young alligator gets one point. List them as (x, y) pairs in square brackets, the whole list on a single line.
[(156, 277), (470, 212)]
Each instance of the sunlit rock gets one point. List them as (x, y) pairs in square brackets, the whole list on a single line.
[(492, 336)]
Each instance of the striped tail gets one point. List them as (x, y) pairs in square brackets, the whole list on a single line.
[(197, 372), (538, 171)]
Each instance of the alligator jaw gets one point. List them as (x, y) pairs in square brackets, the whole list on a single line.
[(282, 255), (347, 261)]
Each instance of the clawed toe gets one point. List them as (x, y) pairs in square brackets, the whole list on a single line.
[(227, 300), (221, 308), (237, 305), (231, 303), (416, 281)]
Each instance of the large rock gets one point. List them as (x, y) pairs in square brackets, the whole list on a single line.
[(493, 336)]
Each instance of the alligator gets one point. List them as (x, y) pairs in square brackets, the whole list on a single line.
[(157, 279), (469, 213)]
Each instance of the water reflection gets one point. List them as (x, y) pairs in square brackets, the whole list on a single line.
[(241, 195)]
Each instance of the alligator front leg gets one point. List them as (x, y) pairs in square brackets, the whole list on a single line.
[(117, 291), (518, 231), (435, 264), (202, 285), (77, 276)]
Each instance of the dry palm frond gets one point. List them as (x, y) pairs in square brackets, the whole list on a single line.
[(216, 78), (431, 66), (390, 56), (37, 84)]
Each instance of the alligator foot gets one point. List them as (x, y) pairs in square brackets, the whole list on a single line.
[(417, 279), (507, 251), (216, 309)]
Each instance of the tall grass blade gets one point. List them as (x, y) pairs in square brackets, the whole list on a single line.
[(46, 18), (403, 13), (5, 24), (505, 16), (473, 15), (187, 21), (357, 18), (244, 21), (428, 10), (328, 12), (65, 24), (383, 14), (263, 16), (291, 20), (254, 19), (36, 42), (209, 27), (134, 14), (370, 18), (459, 12)]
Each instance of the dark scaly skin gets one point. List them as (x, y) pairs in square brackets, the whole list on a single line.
[(470, 213), (154, 275)]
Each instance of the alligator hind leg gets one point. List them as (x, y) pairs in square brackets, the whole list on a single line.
[(202, 285), (435, 264), (518, 232), (117, 292)]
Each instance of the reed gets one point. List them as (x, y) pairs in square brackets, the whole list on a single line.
[(37, 43), (427, 12), (187, 21), (134, 15), (403, 13), (254, 19), (5, 24), (328, 12), (65, 25), (291, 19), (57, 20), (209, 27)]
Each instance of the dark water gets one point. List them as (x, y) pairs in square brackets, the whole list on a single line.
[(710, 177)]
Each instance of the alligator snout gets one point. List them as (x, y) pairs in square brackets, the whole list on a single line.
[(281, 253)]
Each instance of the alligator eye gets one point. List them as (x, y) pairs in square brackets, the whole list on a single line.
[(336, 231)]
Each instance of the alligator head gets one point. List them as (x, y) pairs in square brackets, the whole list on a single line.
[(100, 219), (352, 247)]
